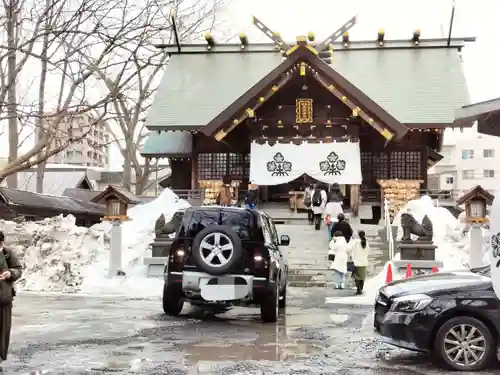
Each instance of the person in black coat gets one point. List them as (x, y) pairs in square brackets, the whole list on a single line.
[(343, 226)]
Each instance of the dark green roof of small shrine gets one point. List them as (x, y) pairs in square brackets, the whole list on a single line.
[(415, 85)]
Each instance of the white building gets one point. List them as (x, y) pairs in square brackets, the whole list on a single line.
[(472, 160), (91, 151)]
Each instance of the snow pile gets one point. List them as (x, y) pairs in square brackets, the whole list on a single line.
[(59, 256)]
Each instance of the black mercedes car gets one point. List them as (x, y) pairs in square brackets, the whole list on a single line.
[(455, 316)]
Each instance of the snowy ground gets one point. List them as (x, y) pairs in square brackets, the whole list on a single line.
[(71, 335)]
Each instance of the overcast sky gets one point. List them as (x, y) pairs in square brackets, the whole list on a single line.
[(398, 17)]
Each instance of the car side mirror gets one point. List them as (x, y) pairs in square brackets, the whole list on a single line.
[(284, 240)]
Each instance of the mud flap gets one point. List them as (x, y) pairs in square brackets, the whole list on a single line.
[(224, 288)]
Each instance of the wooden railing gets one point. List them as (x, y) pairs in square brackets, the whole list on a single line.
[(192, 196), (443, 196), (448, 197)]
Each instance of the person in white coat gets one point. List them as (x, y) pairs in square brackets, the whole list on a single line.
[(332, 210), (337, 255), (358, 250)]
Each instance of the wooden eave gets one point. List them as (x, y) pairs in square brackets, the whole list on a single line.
[(476, 192), (112, 191), (303, 54)]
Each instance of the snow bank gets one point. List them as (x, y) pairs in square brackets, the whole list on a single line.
[(59, 256)]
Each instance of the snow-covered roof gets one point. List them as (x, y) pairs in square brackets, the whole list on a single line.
[(54, 182)]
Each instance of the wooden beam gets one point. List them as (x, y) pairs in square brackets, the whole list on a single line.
[(276, 38), (386, 133), (249, 112), (337, 34)]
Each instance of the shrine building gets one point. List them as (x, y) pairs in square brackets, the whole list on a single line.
[(282, 115)]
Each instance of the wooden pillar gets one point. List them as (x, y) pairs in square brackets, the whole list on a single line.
[(355, 198), (194, 172)]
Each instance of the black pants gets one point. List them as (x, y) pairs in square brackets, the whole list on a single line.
[(359, 285), (317, 221), (310, 216)]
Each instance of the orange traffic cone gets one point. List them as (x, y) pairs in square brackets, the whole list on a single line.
[(388, 276), (435, 269), (409, 273)]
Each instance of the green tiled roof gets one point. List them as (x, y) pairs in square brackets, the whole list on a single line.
[(197, 87), (414, 85), (168, 143)]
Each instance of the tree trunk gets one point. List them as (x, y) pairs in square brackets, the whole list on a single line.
[(40, 169), (11, 93), (127, 166)]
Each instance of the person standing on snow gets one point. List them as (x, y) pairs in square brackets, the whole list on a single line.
[(318, 204), (10, 271), (358, 250), (337, 254)]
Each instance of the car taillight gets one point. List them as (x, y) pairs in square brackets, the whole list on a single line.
[(178, 255), (259, 259)]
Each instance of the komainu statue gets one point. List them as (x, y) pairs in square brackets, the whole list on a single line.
[(411, 226), (163, 229)]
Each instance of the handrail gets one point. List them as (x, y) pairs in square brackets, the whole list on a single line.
[(388, 228)]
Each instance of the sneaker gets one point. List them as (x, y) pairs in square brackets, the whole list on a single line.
[(342, 286)]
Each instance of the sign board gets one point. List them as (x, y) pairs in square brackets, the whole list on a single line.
[(304, 111)]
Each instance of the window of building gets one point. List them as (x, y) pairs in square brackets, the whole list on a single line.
[(467, 154), (450, 180), (468, 174), (489, 153), (488, 173), (216, 166)]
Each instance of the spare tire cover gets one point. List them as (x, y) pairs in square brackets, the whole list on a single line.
[(217, 249)]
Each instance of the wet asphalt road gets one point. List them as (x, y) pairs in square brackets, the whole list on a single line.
[(103, 335)]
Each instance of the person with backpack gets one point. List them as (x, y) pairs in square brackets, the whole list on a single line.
[(307, 203), (358, 250), (10, 271), (318, 203)]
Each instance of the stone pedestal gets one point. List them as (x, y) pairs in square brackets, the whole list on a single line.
[(161, 247), (476, 254), (417, 251)]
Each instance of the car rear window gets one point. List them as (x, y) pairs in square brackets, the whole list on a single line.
[(240, 222)]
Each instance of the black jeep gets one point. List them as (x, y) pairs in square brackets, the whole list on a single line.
[(226, 256)]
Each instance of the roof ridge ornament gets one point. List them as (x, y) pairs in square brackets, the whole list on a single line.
[(303, 40)]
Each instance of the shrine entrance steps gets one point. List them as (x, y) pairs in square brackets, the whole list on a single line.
[(307, 254)]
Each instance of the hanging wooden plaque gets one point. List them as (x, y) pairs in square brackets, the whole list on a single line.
[(304, 111)]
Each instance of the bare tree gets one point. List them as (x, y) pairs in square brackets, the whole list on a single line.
[(137, 74), (97, 55)]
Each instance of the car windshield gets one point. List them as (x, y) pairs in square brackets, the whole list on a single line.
[(483, 271)]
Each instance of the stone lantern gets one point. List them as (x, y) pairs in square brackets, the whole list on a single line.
[(476, 203), (117, 201)]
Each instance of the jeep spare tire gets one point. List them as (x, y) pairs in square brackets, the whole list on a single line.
[(217, 249)]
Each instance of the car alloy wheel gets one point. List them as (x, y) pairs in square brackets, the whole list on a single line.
[(216, 249), (464, 345)]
